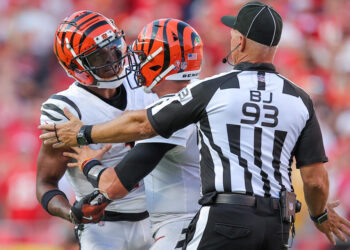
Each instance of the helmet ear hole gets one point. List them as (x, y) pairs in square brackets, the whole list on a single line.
[(73, 66), (142, 56), (155, 67)]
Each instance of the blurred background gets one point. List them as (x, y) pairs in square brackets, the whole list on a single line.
[(314, 53)]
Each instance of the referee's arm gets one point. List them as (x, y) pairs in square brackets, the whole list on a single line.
[(316, 186), (310, 156)]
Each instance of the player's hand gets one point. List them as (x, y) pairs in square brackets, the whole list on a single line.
[(85, 211), (62, 135), (84, 153), (335, 225)]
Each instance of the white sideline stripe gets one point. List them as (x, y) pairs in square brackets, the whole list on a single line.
[(200, 227)]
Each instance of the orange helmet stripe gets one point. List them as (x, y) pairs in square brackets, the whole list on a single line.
[(166, 62), (92, 28), (143, 35), (155, 28), (77, 27)]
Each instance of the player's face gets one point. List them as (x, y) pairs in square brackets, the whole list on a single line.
[(107, 61)]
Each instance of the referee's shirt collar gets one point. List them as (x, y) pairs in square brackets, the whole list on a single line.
[(255, 66)]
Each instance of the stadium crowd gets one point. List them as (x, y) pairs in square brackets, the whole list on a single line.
[(314, 52)]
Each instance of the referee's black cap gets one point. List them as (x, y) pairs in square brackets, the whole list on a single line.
[(258, 22)]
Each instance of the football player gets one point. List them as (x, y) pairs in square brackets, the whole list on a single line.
[(170, 55), (93, 51)]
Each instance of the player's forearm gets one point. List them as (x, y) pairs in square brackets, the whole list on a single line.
[(58, 205), (131, 126), (316, 189), (110, 185)]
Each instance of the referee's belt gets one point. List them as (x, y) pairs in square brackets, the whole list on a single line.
[(115, 216), (244, 200)]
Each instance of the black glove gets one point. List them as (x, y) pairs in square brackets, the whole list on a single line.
[(84, 211)]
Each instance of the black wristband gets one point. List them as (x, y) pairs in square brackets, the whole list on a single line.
[(89, 165), (96, 168), (45, 199), (95, 175), (321, 218), (87, 133)]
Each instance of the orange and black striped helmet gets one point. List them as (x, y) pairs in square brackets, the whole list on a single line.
[(91, 49), (167, 49)]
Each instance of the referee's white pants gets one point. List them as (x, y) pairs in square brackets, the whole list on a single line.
[(116, 235), (171, 235)]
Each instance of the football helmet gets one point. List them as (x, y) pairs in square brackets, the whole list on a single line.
[(167, 49), (91, 49)]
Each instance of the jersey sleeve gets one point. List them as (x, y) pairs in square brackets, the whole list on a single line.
[(186, 107), (178, 138), (309, 148), (52, 110)]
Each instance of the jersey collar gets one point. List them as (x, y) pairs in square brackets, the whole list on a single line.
[(255, 66)]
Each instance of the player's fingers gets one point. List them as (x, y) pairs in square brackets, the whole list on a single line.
[(106, 148), (334, 204), (58, 145), (76, 149), (71, 155), (50, 141), (344, 230), (339, 235), (73, 164), (345, 222), (330, 237), (47, 135), (69, 115), (48, 127)]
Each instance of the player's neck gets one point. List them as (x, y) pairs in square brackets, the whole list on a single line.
[(106, 93), (169, 87)]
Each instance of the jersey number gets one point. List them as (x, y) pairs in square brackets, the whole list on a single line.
[(252, 111)]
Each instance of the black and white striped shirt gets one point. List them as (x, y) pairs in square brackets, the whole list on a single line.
[(251, 121)]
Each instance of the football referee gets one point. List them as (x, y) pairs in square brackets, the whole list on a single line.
[(252, 122)]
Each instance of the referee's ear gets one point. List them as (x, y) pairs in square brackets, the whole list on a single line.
[(242, 43)]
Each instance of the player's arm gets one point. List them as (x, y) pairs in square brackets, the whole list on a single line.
[(116, 182), (51, 165), (187, 107), (130, 126)]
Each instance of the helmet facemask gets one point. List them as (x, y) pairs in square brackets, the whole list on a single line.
[(139, 60), (105, 61), (92, 49)]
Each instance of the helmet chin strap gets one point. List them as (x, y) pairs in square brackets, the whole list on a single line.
[(110, 85)]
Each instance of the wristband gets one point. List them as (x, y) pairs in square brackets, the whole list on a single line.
[(84, 163), (87, 133), (45, 199), (93, 170), (89, 164), (321, 218), (84, 135)]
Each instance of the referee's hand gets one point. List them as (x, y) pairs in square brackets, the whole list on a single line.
[(335, 225)]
